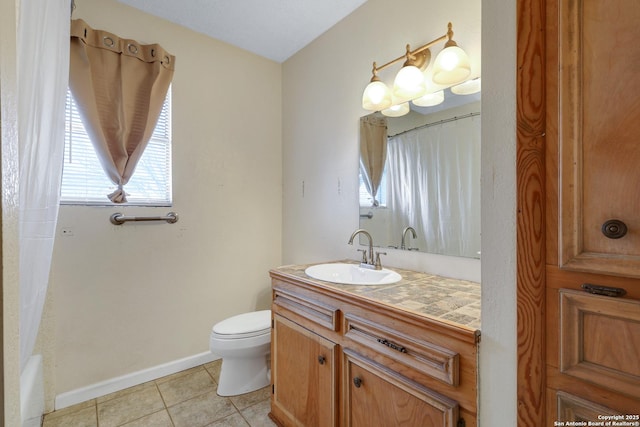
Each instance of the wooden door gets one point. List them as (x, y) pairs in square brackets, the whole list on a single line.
[(579, 204), (304, 376), (376, 396)]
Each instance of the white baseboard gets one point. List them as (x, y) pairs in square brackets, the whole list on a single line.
[(102, 388)]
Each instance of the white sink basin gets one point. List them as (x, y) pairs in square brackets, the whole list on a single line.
[(352, 274)]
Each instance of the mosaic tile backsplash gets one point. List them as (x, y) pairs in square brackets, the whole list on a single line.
[(453, 300)]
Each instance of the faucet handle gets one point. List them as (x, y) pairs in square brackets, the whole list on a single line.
[(378, 263), (364, 255)]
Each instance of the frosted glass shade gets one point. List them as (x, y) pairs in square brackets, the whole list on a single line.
[(376, 96), (397, 110), (409, 83), (467, 88), (430, 85), (452, 66), (430, 99)]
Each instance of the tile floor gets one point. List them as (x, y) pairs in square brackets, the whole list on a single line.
[(184, 399)]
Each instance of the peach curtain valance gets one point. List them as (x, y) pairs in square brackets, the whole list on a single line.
[(119, 86)]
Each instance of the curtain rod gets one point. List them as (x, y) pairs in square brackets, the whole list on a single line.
[(452, 119)]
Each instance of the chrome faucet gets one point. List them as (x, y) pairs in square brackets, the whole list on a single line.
[(368, 263), (404, 236)]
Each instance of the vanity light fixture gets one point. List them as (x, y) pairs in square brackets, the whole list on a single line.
[(430, 99), (415, 81), (434, 94), (452, 64), (409, 82), (377, 95), (396, 110), (467, 88)]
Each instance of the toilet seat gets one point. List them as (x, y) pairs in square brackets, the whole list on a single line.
[(244, 325)]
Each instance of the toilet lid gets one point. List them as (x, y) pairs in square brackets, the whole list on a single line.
[(246, 323)]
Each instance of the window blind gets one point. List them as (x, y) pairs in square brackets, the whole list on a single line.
[(365, 198), (84, 181)]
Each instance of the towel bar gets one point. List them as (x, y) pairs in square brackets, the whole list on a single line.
[(119, 219)]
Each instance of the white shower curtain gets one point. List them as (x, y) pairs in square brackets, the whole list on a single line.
[(43, 74), (434, 186)]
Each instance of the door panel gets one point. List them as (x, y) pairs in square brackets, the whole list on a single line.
[(599, 340), (599, 106), (610, 123), (573, 408)]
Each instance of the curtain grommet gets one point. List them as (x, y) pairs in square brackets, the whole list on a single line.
[(132, 48), (108, 41)]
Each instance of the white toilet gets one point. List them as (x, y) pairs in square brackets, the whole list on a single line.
[(244, 343)]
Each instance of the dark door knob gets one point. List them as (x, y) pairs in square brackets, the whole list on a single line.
[(357, 382), (614, 229), (321, 360)]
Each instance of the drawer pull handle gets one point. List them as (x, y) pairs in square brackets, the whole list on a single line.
[(321, 360), (357, 382), (394, 346), (614, 229), (603, 290)]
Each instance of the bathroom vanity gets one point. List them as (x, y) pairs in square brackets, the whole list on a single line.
[(401, 354)]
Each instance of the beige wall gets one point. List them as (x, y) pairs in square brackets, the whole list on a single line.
[(126, 298), (322, 90)]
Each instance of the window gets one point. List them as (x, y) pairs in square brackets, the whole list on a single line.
[(84, 181), (381, 196)]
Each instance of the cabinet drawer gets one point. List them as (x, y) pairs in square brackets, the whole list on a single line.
[(313, 310), (428, 358)]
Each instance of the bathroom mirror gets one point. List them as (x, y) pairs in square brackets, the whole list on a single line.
[(430, 180)]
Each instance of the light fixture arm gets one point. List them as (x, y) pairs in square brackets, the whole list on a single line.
[(374, 71), (412, 53), (450, 42)]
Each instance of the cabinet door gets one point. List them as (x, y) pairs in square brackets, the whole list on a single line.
[(578, 204), (593, 226), (377, 396), (598, 151), (304, 376)]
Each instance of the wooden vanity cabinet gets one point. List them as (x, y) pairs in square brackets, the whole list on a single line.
[(340, 359)]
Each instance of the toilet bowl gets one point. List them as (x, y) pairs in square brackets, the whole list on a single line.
[(244, 343)]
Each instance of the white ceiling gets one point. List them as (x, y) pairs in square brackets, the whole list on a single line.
[(275, 29)]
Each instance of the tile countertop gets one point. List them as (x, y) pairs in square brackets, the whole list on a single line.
[(453, 300)]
